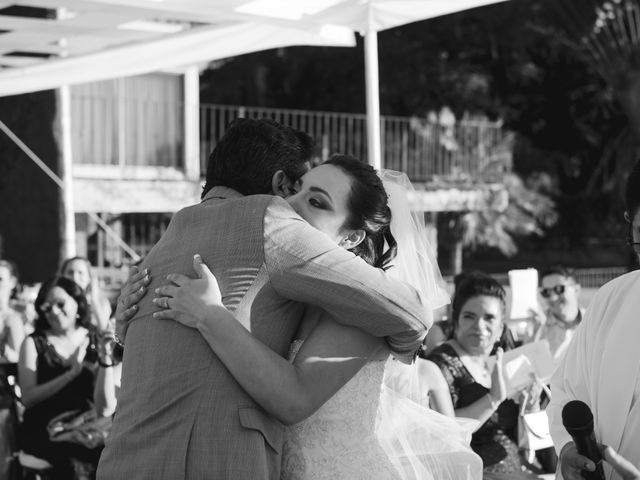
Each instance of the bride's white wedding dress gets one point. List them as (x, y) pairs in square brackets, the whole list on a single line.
[(338, 441), (354, 435), (378, 425)]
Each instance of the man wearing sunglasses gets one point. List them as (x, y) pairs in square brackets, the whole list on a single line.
[(601, 366), (559, 292)]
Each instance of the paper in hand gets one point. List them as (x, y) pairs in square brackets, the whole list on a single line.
[(521, 365), (524, 292)]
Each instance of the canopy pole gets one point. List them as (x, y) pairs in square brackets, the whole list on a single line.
[(192, 123), (69, 219), (373, 97)]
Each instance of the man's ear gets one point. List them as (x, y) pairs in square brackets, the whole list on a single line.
[(353, 239), (281, 184)]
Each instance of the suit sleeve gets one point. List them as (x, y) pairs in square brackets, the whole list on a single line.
[(306, 266)]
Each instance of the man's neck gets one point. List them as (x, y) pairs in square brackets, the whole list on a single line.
[(566, 323)]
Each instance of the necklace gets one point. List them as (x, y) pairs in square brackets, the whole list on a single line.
[(477, 366)]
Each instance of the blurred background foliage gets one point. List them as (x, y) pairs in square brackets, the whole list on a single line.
[(563, 75)]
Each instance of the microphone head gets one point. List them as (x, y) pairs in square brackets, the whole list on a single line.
[(576, 415)]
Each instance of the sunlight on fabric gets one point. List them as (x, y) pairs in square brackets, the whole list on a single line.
[(285, 8), (337, 33), (152, 26)]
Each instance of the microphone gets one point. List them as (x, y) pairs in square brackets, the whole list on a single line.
[(578, 420)]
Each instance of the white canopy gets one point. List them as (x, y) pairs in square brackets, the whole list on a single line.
[(49, 43)]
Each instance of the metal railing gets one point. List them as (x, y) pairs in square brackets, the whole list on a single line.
[(130, 131), (469, 151), (596, 277)]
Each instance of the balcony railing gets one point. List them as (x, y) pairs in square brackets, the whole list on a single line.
[(123, 132), (469, 151)]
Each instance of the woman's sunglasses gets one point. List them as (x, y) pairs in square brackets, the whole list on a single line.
[(47, 307), (557, 289)]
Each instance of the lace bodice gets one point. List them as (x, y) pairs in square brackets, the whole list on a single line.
[(338, 442)]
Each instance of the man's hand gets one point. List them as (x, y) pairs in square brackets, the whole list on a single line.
[(130, 294), (621, 465), (572, 463)]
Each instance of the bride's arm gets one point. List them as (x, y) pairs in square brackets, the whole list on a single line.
[(329, 357)]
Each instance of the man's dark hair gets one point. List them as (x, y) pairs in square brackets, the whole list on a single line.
[(561, 270), (252, 150), (632, 191)]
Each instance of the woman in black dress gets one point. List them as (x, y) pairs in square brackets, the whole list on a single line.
[(478, 389), (58, 372)]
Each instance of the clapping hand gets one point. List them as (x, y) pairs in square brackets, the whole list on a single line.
[(498, 390), (76, 360), (189, 300)]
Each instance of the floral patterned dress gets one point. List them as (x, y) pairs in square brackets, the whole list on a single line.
[(494, 440)]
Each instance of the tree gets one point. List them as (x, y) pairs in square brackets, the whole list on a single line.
[(540, 65)]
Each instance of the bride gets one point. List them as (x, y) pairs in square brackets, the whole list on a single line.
[(354, 412)]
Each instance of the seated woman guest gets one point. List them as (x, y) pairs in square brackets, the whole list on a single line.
[(11, 325), (78, 269), (58, 372), (477, 391)]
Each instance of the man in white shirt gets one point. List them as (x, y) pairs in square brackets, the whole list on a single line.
[(601, 367), (560, 292)]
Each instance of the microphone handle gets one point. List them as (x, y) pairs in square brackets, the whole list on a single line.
[(588, 447)]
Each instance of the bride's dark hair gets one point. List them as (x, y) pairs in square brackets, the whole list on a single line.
[(368, 211)]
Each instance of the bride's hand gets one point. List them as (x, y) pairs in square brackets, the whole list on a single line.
[(189, 300)]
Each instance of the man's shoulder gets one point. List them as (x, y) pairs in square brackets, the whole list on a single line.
[(612, 295), (623, 282), (254, 203)]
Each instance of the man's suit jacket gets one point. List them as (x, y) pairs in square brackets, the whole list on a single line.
[(180, 412)]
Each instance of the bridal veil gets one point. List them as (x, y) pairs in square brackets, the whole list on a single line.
[(420, 443)]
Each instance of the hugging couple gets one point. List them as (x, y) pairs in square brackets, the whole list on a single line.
[(272, 330)]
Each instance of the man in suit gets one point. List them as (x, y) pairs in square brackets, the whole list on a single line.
[(180, 412)]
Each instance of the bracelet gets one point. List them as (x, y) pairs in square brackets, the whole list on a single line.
[(118, 340)]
